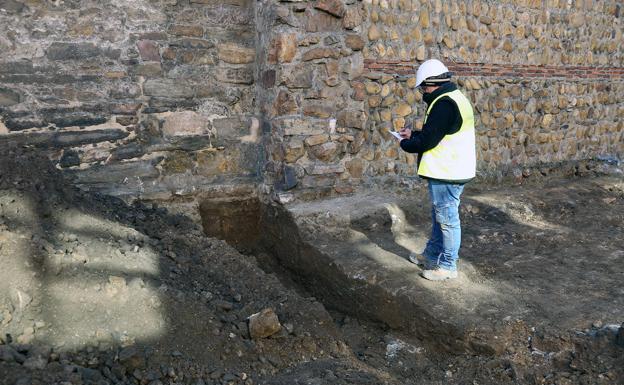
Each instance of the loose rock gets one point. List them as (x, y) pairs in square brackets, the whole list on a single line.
[(264, 324)]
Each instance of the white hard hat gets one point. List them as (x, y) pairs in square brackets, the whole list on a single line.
[(432, 68)]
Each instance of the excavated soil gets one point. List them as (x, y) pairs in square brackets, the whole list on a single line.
[(96, 291)]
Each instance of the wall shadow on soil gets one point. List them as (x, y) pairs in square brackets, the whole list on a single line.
[(27, 173)]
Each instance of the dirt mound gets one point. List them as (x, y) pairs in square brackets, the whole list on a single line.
[(95, 291)]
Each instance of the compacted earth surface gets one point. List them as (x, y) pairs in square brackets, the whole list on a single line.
[(96, 291)]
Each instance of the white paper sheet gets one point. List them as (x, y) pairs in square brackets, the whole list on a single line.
[(396, 135)]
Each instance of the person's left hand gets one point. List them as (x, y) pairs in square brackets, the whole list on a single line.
[(405, 133)]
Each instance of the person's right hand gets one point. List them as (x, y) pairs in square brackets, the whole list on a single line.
[(405, 133)]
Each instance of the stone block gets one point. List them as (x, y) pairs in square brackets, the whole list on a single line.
[(391, 152), (115, 173), (385, 115), (352, 118), (172, 88), (72, 51), (70, 117), (236, 54), (309, 40), (356, 168), (283, 48), (321, 53), (373, 88), (9, 97), (318, 110), (186, 30), (354, 42), (332, 67), (285, 104), (126, 108), (374, 33), (177, 162), (359, 91), (294, 150), (69, 158), (316, 21), (331, 39), (299, 126), (290, 178), (333, 7), (231, 127), (316, 139), (352, 18), (192, 43), (398, 124), (212, 162), (385, 90), (229, 15), (297, 76), (238, 75), (268, 79), (487, 20), (338, 94), (12, 6), (374, 101), (323, 169), (332, 81), (184, 123), (129, 151), (77, 138), (325, 152), (403, 110), (148, 50), (130, 357), (354, 66), (126, 120), (147, 70), (22, 67)]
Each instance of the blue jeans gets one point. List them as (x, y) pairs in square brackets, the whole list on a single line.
[(443, 245)]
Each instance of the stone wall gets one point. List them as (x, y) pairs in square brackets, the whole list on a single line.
[(546, 80), (174, 98), (534, 32), (153, 99)]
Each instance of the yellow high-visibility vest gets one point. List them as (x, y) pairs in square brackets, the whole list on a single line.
[(454, 158)]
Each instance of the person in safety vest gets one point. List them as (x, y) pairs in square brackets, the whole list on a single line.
[(447, 160)]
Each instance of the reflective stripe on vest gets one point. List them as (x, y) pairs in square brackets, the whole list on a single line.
[(454, 158)]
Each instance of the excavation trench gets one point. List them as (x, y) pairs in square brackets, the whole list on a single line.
[(351, 254), (319, 255)]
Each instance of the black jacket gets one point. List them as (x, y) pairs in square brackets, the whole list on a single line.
[(444, 119)]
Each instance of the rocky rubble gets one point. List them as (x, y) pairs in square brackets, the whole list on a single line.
[(112, 293)]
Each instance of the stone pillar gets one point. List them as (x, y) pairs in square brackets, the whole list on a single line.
[(310, 93)]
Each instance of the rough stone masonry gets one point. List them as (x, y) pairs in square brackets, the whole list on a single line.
[(172, 100)]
